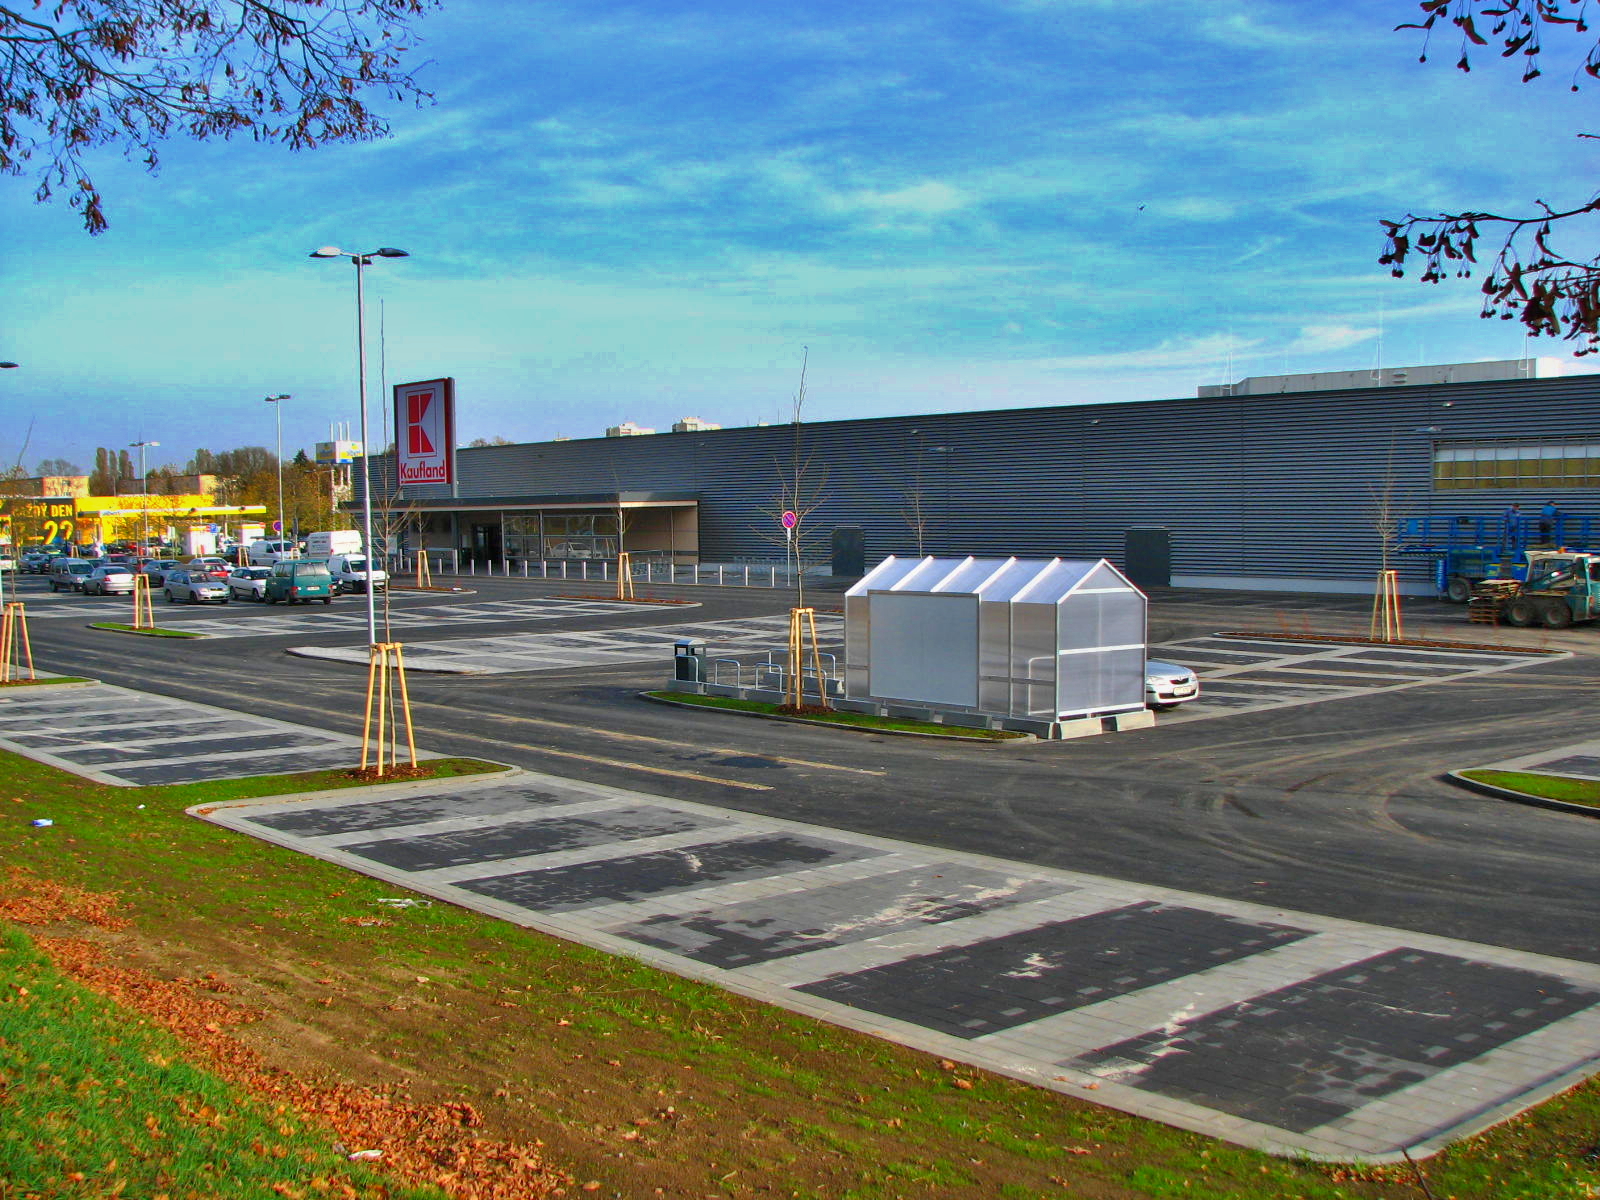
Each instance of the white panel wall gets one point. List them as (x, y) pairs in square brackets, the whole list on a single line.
[(924, 648)]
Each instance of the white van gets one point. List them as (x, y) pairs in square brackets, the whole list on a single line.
[(266, 553), (337, 541), (352, 573)]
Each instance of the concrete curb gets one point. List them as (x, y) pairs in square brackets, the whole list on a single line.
[(317, 653), (77, 681), (1516, 797), (363, 791), (1018, 739)]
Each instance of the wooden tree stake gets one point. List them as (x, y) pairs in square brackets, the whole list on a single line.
[(144, 616), (386, 674), (16, 651), (1387, 625)]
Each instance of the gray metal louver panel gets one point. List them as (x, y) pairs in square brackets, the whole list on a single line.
[(1252, 487)]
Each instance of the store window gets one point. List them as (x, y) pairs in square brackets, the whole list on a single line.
[(520, 535), (1536, 463), (580, 535)]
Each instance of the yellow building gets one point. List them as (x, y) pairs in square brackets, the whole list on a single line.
[(90, 520)]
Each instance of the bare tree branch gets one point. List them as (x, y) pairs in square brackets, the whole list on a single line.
[(86, 74), (1549, 291)]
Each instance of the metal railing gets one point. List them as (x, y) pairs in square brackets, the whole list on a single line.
[(830, 670), (1427, 535), (756, 575)]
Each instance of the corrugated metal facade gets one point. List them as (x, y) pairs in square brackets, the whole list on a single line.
[(1265, 490)]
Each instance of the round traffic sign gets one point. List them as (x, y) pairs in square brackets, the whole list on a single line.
[(790, 519)]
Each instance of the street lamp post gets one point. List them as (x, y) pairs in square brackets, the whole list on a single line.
[(364, 260), (4, 366), (277, 408), (144, 493)]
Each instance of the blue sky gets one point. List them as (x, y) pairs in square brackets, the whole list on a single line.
[(647, 211)]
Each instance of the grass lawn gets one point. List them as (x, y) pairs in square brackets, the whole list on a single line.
[(633, 1080), (96, 1102), (146, 632), (1550, 787)]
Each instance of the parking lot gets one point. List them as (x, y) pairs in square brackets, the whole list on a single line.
[(1307, 775), (129, 738), (1240, 674), (401, 610), (1292, 821)]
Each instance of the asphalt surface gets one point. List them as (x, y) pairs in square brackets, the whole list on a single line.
[(1334, 808)]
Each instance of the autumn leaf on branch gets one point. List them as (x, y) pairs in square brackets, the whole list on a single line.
[(85, 74), (1552, 293)]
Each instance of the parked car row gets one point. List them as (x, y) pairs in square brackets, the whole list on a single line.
[(289, 581), (194, 587), (199, 581), (70, 573)]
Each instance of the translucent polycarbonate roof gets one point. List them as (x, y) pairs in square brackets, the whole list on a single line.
[(999, 580)]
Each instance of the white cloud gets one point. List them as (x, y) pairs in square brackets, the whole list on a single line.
[(1203, 351), (1321, 339), (929, 198), (1243, 26), (1205, 209)]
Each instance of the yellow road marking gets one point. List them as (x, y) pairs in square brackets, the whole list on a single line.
[(623, 763), (643, 737), (633, 766)]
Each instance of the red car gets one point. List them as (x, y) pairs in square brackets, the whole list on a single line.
[(213, 568)]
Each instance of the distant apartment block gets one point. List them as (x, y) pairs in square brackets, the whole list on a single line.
[(39, 486), (628, 429), (203, 485), (693, 425)]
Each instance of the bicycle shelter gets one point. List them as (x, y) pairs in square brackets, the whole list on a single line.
[(1043, 639)]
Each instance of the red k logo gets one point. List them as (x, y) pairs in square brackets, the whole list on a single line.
[(417, 440)]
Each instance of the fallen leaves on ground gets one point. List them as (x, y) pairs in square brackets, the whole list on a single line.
[(421, 1143), (31, 901)]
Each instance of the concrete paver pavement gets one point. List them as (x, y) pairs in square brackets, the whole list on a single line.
[(1291, 1032)]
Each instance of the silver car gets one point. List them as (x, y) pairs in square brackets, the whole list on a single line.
[(194, 587), (109, 581), (68, 573), (1167, 685), (248, 583)]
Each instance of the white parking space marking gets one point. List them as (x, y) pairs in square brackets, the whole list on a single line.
[(347, 614), (1249, 674), (131, 739), (745, 638)]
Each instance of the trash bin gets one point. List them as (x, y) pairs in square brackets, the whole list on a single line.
[(689, 660)]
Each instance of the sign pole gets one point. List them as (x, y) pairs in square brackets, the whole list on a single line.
[(790, 520)]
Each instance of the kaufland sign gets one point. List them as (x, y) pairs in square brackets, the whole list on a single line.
[(425, 432)]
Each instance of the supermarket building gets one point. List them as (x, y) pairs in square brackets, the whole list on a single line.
[(1278, 483)]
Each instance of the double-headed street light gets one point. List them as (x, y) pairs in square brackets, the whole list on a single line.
[(364, 260), (277, 407), (144, 493), (4, 366)]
